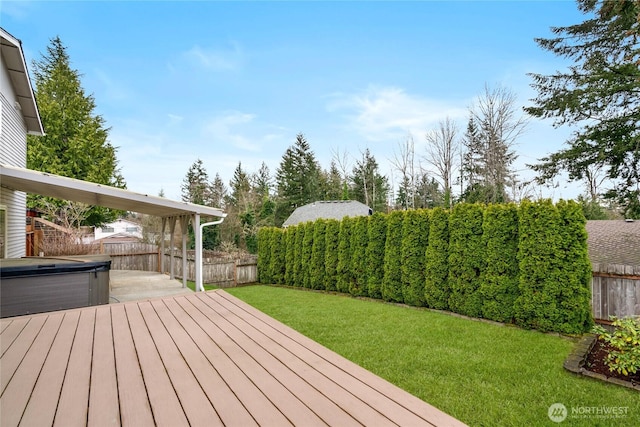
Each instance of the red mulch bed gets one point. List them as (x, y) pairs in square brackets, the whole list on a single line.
[(595, 363)]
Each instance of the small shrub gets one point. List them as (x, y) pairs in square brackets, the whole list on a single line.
[(625, 341)]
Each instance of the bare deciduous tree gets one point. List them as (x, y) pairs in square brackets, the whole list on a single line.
[(404, 162), (442, 149), (498, 129)]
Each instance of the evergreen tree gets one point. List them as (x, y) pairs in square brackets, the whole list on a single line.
[(415, 238), (218, 192), (368, 185), (307, 250), (436, 288), (375, 253), (466, 259), (499, 288), (317, 270), (392, 280), (575, 298), (297, 179), (298, 272), (196, 189), (75, 144), (289, 255), (343, 269), (358, 247), (278, 254), (332, 234), (195, 186), (599, 95)]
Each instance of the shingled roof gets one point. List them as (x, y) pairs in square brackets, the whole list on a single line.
[(331, 209), (614, 242)]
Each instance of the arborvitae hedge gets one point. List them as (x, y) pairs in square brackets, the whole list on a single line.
[(344, 255), (539, 257), (278, 251), (375, 253), (415, 238), (575, 298), (436, 287), (359, 242), (289, 256), (499, 288), (307, 247), (392, 281), (297, 261), (318, 255), (466, 259), (264, 255), (332, 232)]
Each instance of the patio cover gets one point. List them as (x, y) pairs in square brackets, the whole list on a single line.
[(47, 184), (61, 187)]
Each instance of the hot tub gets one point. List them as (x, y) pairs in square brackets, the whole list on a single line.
[(39, 284)]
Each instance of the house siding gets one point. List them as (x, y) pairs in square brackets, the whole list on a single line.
[(13, 152)]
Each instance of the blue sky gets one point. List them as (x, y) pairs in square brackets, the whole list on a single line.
[(236, 81)]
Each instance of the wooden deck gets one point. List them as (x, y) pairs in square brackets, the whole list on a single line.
[(204, 359)]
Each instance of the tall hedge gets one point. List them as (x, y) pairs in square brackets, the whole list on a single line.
[(332, 231), (318, 255), (297, 261), (344, 272), (575, 298), (277, 259), (392, 281), (359, 268), (499, 288), (289, 255), (307, 247), (415, 238), (375, 253), (539, 257), (436, 286), (466, 259), (264, 255)]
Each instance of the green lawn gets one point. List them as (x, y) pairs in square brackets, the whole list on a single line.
[(481, 373)]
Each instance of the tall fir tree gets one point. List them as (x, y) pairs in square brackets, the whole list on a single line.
[(75, 143), (368, 185), (297, 179), (599, 96)]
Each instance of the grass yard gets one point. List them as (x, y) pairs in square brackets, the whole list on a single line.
[(480, 373)]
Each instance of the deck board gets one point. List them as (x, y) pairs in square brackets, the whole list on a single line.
[(200, 359)]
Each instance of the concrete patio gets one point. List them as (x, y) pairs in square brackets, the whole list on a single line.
[(128, 285)]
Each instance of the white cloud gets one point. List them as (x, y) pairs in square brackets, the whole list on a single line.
[(213, 59), (388, 113), (223, 129)]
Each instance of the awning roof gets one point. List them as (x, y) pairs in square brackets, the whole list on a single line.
[(60, 187)]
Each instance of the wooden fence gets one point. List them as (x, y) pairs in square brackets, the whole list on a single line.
[(615, 291), (222, 271)]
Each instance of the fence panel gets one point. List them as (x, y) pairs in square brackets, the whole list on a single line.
[(615, 291)]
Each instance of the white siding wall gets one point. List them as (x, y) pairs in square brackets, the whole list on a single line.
[(13, 152)]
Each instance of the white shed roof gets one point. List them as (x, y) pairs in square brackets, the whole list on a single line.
[(13, 58), (47, 184)]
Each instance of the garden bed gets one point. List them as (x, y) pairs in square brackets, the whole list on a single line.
[(588, 358)]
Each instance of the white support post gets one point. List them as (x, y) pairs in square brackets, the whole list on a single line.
[(172, 229), (184, 226), (161, 266), (199, 263)]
